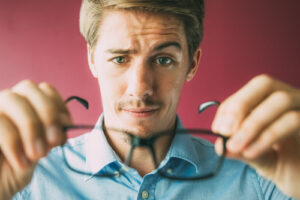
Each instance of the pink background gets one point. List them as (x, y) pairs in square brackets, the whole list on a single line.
[(40, 40)]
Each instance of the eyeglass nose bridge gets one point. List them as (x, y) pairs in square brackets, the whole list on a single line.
[(142, 142)]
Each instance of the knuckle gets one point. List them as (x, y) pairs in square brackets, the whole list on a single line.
[(26, 82), (24, 85), (7, 93), (7, 99), (233, 109), (45, 85), (264, 79), (283, 97), (269, 135), (253, 124), (295, 116), (248, 126), (48, 87), (256, 120)]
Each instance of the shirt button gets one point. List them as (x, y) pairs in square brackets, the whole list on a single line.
[(145, 194), (117, 174), (169, 171)]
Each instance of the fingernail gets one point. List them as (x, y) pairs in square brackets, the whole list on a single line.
[(24, 160), (40, 147), (235, 144), (53, 134)]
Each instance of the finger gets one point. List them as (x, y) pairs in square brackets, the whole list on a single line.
[(27, 122), (11, 145), (64, 116), (234, 109), (219, 148), (46, 109), (53, 94), (282, 128), (263, 115)]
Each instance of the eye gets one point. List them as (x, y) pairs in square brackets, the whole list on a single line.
[(163, 61), (119, 59)]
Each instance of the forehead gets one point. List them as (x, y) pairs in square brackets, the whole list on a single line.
[(126, 28)]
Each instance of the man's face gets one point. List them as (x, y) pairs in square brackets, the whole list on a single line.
[(141, 62)]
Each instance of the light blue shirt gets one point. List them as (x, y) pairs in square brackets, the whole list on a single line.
[(92, 153)]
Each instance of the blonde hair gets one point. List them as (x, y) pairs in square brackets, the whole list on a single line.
[(190, 12)]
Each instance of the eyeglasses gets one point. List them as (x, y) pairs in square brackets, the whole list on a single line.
[(214, 162)]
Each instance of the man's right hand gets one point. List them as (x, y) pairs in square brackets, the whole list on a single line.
[(31, 120)]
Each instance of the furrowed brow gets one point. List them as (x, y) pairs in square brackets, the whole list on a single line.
[(133, 51), (168, 44), (121, 51)]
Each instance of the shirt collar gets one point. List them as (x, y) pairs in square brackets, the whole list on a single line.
[(98, 151), (183, 148)]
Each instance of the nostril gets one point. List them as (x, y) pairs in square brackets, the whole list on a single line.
[(142, 94), (148, 92)]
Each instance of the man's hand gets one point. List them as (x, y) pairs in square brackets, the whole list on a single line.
[(263, 121), (31, 120)]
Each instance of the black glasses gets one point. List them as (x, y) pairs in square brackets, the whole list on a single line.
[(212, 163)]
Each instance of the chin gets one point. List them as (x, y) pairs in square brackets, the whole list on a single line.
[(139, 127)]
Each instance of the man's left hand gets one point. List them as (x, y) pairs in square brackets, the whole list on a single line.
[(263, 122)]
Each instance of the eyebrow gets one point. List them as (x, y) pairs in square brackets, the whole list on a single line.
[(133, 51), (168, 44), (121, 51)]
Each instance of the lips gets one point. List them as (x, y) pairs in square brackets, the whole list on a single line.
[(140, 112)]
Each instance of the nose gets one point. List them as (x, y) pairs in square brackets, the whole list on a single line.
[(140, 81)]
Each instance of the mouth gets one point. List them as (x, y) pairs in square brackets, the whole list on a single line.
[(140, 112)]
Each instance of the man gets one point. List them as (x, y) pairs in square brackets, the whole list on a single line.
[(142, 52)]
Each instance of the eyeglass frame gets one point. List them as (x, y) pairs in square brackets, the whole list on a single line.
[(136, 141)]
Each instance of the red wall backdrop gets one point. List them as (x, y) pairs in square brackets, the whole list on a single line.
[(40, 40)]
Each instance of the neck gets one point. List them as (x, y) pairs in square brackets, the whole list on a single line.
[(142, 158)]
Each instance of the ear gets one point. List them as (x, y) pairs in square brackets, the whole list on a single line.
[(194, 65), (91, 61)]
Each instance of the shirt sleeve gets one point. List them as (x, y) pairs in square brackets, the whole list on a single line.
[(270, 191), (24, 194)]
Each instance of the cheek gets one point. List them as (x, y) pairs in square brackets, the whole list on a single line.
[(111, 89), (171, 89)]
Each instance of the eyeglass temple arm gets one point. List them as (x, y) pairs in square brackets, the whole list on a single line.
[(206, 105), (139, 142), (82, 101), (128, 159)]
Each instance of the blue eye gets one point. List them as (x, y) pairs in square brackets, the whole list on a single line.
[(119, 59), (163, 61)]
